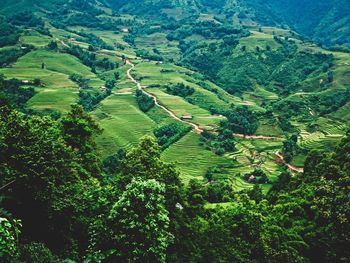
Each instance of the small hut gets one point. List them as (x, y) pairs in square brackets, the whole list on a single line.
[(186, 117)]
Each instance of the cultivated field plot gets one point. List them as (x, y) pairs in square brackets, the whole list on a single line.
[(35, 39), (54, 99), (192, 159), (259, 39), (159, 42), (206, 95), (122, 122), (57, 91)]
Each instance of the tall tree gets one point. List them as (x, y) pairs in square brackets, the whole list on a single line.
[(48, 187), (79, 130), (139, 223)]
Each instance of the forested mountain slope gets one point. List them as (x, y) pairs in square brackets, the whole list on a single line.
[(325, 21)]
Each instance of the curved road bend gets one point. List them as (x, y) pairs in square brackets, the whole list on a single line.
[(156, 102)]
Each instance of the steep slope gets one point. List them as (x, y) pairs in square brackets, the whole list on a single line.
[(9, 6), (150, 6), (323, 20)]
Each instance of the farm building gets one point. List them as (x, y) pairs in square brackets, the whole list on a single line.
[(186, 117)]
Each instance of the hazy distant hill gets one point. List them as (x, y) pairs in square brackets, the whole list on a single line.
[(326, 21), (322, 20)]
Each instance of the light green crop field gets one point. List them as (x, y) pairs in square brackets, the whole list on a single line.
[(55, 62), (192, 159), (176, 13), (112, 38), (151, 73), (201, 101), (36, 39), (342, 114), (270, 128), (57, 91), (258, 39), (168, 49), (166, 74), (54, 99), (61, 34), (122, 122)]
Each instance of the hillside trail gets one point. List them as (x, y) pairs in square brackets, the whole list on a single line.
[(290, 166), (196, 128), (261, 137), (199, 130)]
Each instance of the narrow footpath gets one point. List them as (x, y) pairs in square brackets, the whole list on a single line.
[(196, 128), (290, 166)]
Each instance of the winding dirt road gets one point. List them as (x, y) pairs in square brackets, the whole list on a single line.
[(290, 166), (196, 128), (261, 137), (199, 130)]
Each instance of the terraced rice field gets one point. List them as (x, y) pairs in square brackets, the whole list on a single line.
[(192, 159), (35, 39), (122, 122), (54, 99), (258, 39)]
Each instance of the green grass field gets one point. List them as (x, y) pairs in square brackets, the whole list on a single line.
[(122, 122), (35, 39), (57, 91), (192, 159), (54, 99), (258, 39)]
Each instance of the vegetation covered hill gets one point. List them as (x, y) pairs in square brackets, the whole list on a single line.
[(242, 115), (323, 21)]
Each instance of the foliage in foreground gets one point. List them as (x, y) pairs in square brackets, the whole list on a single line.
[(51, 174)]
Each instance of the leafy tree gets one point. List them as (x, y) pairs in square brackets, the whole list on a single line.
[(9, 232), (170, 133), (139, 223), (52, 45), (38, 253), (144, 162), (8, 34), (241, 120), (47, 185), (180, 89), (111, 164), (78, 131), (14, 93), (245, 232), (330, 76), (144, 101)]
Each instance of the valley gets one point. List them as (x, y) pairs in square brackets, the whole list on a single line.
[(124, 124)]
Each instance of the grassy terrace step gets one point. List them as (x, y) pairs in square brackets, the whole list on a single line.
[(36, 39), (56, 85), (122, 122), (192, 159), (342, 114)]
